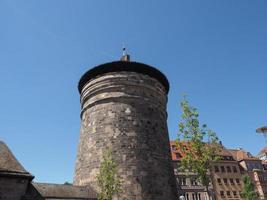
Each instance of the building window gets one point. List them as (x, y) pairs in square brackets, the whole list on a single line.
[(187, 196), (237, 181), (228, 194), (222, 169), (228, 168), (219, 181), (234, 169), (235, 193), (249, 166), (194, 181), (183, 181), (222, 194), (178, 155), (232, 181), (199, 196), (216, 168), (225, 181)]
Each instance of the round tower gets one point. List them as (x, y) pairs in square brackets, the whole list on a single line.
[(123, 109)]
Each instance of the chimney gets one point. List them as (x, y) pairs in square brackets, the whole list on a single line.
[(125, 58)]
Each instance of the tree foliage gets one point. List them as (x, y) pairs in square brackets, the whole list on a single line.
[(198, 144), (108, 182), (248, 191)]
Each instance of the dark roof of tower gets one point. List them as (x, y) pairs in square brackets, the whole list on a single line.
[(64, 191), (8, 162), (117, 66)]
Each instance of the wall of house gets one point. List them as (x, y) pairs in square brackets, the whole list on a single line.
[(32, 194), (227, 180), (12, 188)]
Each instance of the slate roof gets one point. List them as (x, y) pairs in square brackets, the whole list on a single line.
[(8, 162), (64, 191), (117, 66)]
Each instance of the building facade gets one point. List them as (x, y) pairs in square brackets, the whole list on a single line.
[(253, 167), (227, 177)]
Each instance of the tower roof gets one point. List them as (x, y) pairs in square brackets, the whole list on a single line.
[(118, 66), (8, 162)]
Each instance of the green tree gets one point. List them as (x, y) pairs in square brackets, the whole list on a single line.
[(248, 191), (198, 145), (108, 182)]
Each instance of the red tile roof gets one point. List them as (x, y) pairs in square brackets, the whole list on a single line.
[(240, 154)]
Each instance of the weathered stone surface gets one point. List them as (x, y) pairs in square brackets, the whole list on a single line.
[(126, 112), (13, 188)]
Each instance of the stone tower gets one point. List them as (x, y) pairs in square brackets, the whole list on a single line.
[(123, 108)]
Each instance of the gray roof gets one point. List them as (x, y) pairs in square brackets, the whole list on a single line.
[(64, 191), (118, 66), (8, 162)]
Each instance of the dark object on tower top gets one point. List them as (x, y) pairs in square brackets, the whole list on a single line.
[(124, 65), (125, 58)]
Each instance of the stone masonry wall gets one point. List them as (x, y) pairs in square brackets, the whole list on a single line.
[(12, 188), (126, 113)]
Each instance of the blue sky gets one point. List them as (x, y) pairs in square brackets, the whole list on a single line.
[(214, 51)]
